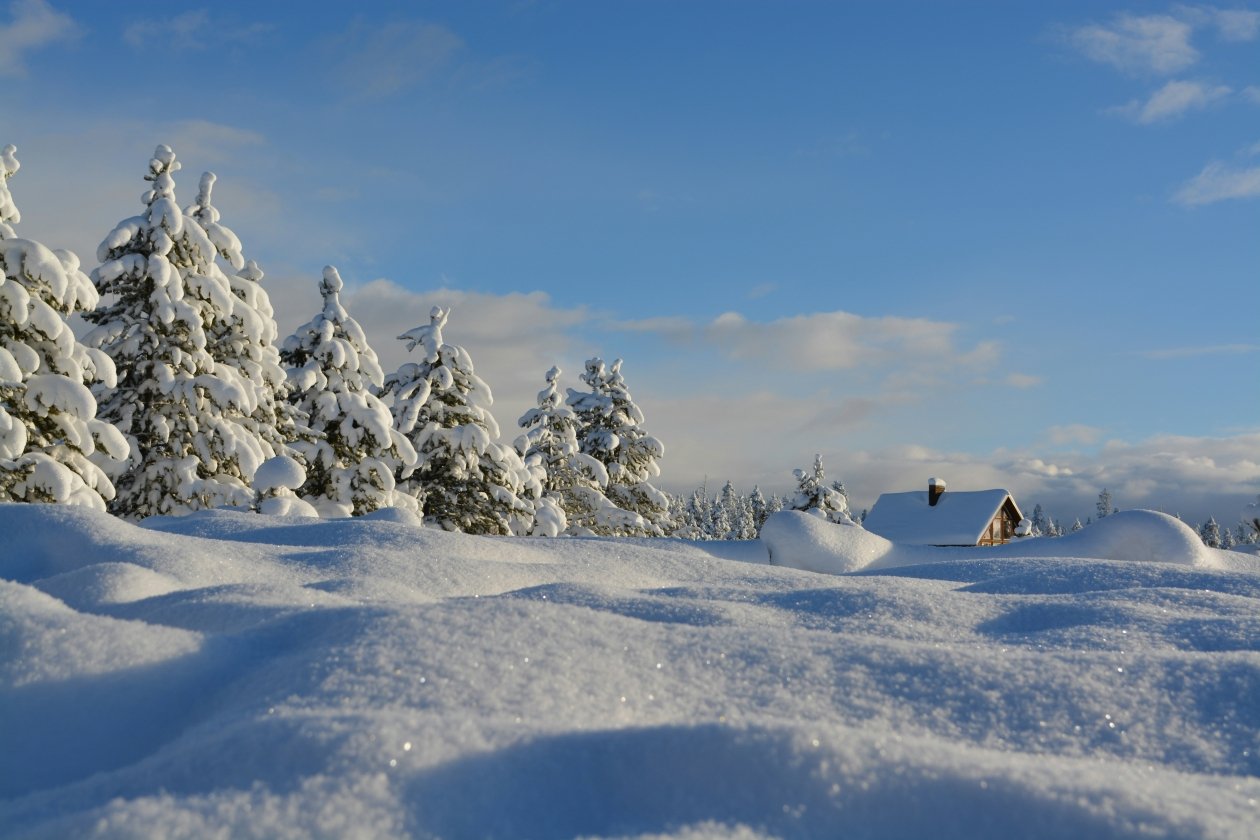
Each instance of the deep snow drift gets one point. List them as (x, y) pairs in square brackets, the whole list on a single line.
[(238, 675)]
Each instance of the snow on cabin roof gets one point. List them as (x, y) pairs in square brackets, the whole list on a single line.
[(959, 517)]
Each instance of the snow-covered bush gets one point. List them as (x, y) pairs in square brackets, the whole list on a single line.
[(276, 482), (356, 452), (49, 431), (466, 479), (609, 430)]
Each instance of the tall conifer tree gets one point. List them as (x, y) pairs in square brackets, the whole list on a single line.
[(355, 454), (178, 408), (49, 432)]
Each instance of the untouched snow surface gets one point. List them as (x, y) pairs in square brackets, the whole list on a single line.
[(238, 675)]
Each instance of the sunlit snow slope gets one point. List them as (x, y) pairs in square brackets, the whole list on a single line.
[(236, 675)]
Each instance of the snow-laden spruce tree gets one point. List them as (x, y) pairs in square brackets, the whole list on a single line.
[(180, 410), (49, 431), (467, 480), (575, 480), (814, 496), (739, 514), (245, 336), (610, 431), (355, 454), (1210, 533), (1104, 506)]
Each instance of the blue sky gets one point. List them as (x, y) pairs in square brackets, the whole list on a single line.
[(1009, 243)]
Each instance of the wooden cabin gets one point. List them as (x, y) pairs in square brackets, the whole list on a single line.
[(973, 517)]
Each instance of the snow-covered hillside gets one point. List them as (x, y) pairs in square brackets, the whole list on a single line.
[(238, 675)]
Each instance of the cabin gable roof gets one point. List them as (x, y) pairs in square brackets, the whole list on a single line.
[(957, 518)]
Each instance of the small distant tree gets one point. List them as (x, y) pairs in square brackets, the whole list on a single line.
[(760, 507), (1251, 518), (1040, 526), (739, 514), (813, 494), (1076, 525), (49, 431), (468, 480), (610, 430), (1210, 533), (332, 373), (1104, 507)]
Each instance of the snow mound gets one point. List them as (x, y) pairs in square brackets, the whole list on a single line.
[(1139, 535), (277, 473), (108, 583), (802, 541)]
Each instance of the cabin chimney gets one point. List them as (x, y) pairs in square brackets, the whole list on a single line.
[(936, 489)]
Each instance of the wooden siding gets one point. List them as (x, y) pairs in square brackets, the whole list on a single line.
[(1002, 529)]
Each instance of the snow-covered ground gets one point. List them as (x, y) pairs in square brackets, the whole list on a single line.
[(237, 675)]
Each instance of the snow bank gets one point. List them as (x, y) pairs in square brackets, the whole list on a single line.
[(807, 542), (232, 674)]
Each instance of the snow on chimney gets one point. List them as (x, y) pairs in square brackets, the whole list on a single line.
[(936, 489)]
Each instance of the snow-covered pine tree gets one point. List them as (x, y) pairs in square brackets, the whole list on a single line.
[(760, 509), (1040, 525), (691, 516), (610, 431), (738, 511), (1076, 525), (1103, 506), (813, 494), (48, 426), (245, 338), (332, 372), (720, 524), (1210, 533), (1251, 518), (180, 410), (574, 479), (469, 482)]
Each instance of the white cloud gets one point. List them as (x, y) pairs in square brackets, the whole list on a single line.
[(1219, 182), (1073, 433), (1172, 101), (388, 58), (1193, 352), (33, 24), (1022, 380), (181, 28), (1157, 44), (193, 29), (830, 341), (208, 142), (1237, 25)]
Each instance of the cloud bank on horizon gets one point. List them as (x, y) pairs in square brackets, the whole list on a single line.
[(949, 280)]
